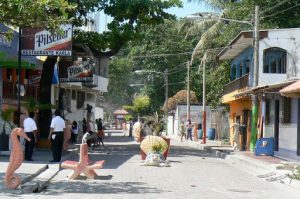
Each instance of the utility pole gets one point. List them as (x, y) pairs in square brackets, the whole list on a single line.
[(203, 102), (188, 93), (166, 98), (19, 77), (255, 79)]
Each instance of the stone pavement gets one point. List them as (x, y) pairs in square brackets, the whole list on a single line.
[(243, 161), (33, 170), (272, 169)]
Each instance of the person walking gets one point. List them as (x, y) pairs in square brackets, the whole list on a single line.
[(182, 131), (30, 130), (195, 132), (100, 132), (67, 134), (130, 127), (189, 130), (236, 131), (74, 132), (84, 126), (56, 135), (124, 127)]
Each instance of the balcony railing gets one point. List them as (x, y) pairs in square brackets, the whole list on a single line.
[(237, 84), (10, 92)]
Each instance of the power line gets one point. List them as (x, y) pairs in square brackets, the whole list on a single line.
[(281, 11), (189, 53), (177, 71), (275, 6), (177, 67)]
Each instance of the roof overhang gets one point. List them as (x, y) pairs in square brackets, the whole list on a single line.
[(292, 90), (241, 42), (265, 88)]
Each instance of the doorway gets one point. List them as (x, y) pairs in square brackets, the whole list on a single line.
[(244, 128), (276, 125)]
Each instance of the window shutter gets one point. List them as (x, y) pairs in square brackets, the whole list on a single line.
[(286, 112)]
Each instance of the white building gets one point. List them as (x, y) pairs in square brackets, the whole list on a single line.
[(279, 66)]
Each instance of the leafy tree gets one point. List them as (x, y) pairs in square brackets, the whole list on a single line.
[(160, 47), (140, 106), (181, 98), (35, 13)]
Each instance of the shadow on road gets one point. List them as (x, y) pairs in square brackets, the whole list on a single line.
[(180, 151), (92, 186)]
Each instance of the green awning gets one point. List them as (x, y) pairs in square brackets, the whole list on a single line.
[(12, 62), (15, 64)]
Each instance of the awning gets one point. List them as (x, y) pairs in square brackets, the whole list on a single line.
[(292, 90), (120, 112), (15, 64), (267, 88)]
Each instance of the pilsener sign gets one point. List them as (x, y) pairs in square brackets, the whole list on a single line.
[(40, 42), (80, 71)]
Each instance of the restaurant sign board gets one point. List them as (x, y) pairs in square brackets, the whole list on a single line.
[(80, 71), (41, 42)]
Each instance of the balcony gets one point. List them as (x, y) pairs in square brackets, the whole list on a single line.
[(237, 84), (10, 93)]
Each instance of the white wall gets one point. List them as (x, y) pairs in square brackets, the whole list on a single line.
[(287, 132), (196, 116), (289, 40)]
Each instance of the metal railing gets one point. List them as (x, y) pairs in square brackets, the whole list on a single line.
[(237, 84)]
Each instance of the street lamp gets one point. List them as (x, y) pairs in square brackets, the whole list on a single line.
[(255, 26), (165, 75), (133, 85)]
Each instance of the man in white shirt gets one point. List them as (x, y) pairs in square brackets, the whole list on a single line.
[(56, 136), (30, 130)]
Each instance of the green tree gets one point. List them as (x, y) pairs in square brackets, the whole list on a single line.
[(160, 47), (140, 106), (35, 13)]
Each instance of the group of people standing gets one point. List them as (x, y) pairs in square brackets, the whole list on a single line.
[(56, 135), (190, 131), (61, 133)]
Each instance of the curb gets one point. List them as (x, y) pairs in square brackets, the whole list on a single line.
[(38, 181), (27, 179)]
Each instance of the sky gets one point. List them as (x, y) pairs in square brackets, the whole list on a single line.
[(187, 9)]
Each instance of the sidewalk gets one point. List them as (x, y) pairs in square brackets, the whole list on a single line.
[(269, 168), (36, 174)]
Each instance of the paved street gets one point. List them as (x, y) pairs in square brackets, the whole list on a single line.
[(193, 174)]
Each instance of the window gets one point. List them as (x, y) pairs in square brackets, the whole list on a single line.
[(241, 70), (274, 60), (233, 72), (247, 66)]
